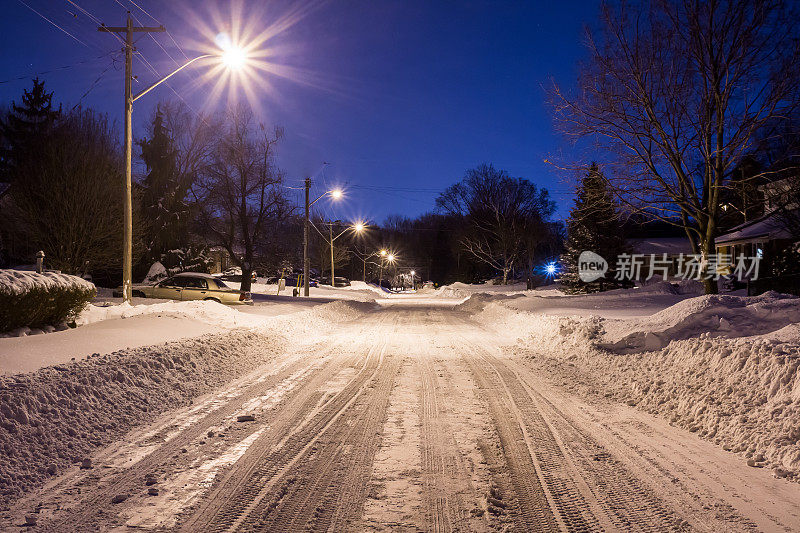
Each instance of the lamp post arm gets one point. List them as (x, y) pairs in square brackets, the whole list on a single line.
[(323, 195), (342, 233), (168, 76)]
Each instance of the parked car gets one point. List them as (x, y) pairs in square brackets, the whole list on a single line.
[(292, 282), (237, 277), (338, 281), (192, 286)]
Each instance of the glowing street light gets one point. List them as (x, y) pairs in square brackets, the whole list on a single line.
[(412, 279), (389, 259), (358, 227), (335, 194), (232, 56)]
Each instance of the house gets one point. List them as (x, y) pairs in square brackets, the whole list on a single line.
[(767, 234), (673, 247), (220, 259)]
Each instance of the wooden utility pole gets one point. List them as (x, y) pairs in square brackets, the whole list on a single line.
[(306, 259), (330, 234), (127, 248)]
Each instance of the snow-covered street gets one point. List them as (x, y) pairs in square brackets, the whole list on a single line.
[(429, 412)]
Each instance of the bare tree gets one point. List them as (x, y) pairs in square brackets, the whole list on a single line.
[(240, 189), (66, 200), (498, 212), (677, 91)]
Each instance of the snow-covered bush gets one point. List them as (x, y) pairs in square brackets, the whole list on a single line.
[(191, 258), (156, 273), (35, 300)]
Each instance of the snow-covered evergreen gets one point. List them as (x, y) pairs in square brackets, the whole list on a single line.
[(594, 225)]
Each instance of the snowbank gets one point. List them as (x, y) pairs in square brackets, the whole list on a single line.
[(207, 311), (465, 290), (736, 383), (157, 272), (55, 417), (719, 315)]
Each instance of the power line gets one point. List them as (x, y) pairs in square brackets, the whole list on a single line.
[(95, 82), (145, 12), (56, 69), (94, 19), (398, 189), (53, 23)]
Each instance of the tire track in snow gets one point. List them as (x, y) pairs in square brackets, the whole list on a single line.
[(92, 509), (444, 476), (258, 484), (587, 487)]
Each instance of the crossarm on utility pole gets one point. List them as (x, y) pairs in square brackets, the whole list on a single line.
[(123, 29)]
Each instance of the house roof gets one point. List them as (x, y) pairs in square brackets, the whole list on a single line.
[(661, 245), (767, 228)]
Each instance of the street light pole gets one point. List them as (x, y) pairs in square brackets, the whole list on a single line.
[(127, 203), (127, 232), (335, 194), (333, 267), (306, 262)]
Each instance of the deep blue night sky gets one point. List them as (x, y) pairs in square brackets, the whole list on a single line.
[(398, 96)]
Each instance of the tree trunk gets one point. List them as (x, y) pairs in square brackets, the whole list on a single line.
[(247, 274), (707, 248)]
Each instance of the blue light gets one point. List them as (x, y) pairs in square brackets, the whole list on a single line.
[(550, 269)]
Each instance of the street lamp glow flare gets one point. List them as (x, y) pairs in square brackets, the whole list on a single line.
[(358, 227), (337, 194), (234, 57)]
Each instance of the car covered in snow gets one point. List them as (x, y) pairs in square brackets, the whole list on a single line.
[(192, 286)]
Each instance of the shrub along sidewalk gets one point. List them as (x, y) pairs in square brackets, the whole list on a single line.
[(34, 300)]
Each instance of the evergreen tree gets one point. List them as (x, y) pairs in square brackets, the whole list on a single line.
[(23, 128), (164, 194), (594, 225)]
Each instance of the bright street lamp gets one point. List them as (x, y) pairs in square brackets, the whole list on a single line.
[(389, 259), (127, 235), (412, 279), (336, 194), (358, 227), (234, 57)]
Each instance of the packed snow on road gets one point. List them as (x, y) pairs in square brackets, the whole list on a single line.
[(467, 407)]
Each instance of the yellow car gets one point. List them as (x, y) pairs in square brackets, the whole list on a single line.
[(193, 286)]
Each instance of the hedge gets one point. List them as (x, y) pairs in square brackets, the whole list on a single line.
[(37, 300)]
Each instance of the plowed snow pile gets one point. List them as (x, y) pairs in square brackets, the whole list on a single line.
[(55, 417), (204, 311), (725, 367), (718, 315)]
